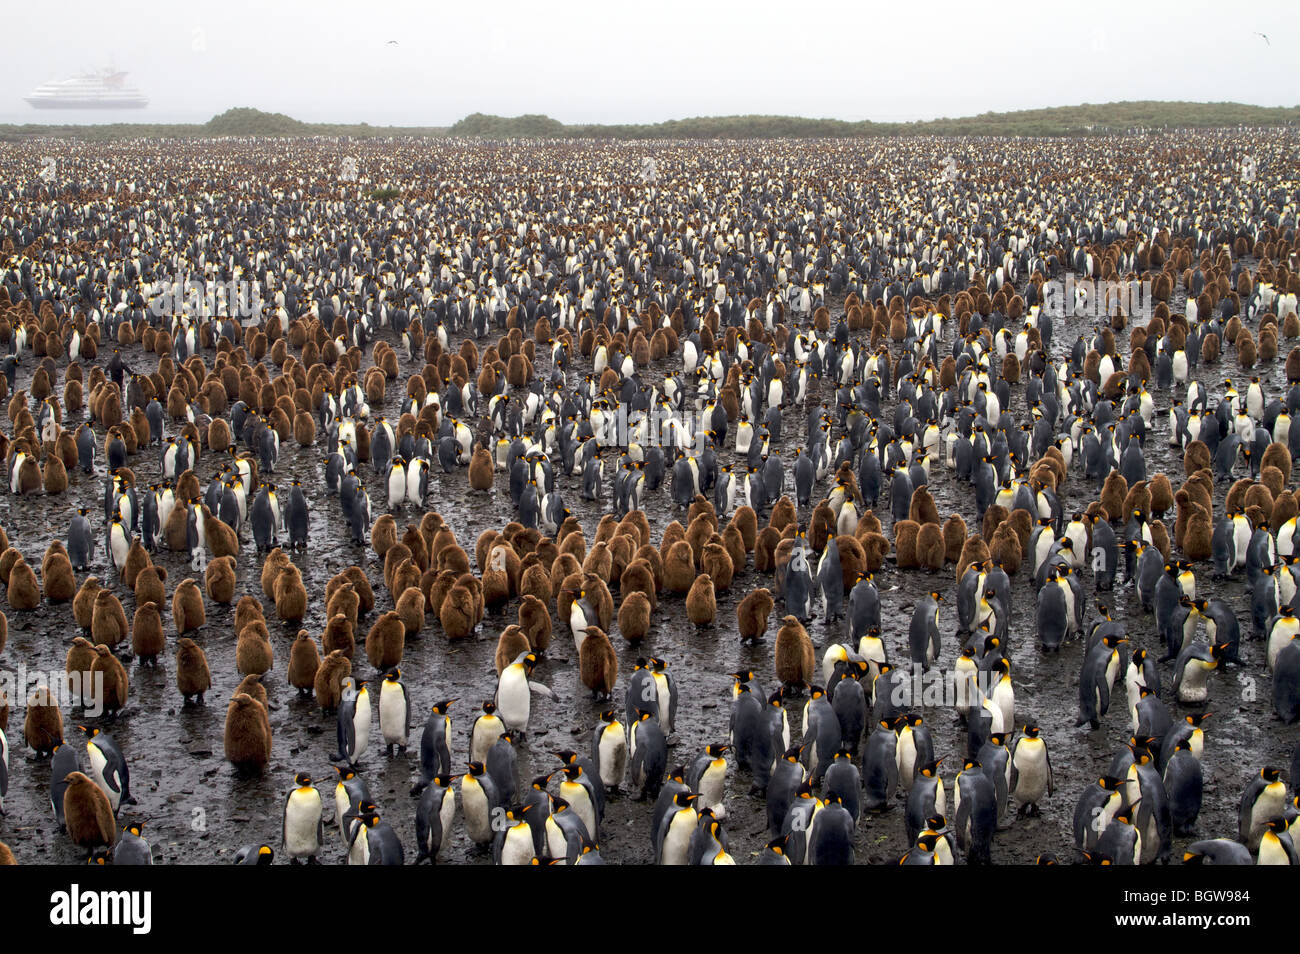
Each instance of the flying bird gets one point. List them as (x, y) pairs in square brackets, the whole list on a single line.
[(1265, 36), (394, 42)]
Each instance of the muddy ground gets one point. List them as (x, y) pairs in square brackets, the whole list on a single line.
[(197, 809)]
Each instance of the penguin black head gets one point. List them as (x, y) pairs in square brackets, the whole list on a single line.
[(303, 780)]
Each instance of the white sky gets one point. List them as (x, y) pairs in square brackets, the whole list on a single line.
[(582, 61)]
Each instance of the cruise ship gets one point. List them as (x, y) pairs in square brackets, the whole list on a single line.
[(102, 89)]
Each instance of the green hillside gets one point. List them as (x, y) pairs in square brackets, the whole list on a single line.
[(1085, 119)]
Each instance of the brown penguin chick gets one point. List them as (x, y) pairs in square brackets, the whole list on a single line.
[(248, 733), (108, 623), (304, 429), (193, 678), (735, 544), (510, 644), (57, 578), (1257, 495), (272, 566), (1235, 498), (954, 538), (219, 435), (930, 549), (701, 505), (1272, 478), (385, 641), (481, 470), (187, 607), (1198, 534), (1160, 538), (1293, 363), (1210, 348), (23, 592), (994, 517), (876, 546), (496, 584), (77, 666), (535, 622), (328, 687), (1284, 508), (6, 856), (974, 550), (1138, 498), (795, 659), (679, 568), (83, 604), (1023, 525), (746, 521), (56, 475), (176, 529), (147, 638), (600, 561), (701, 602), (905, 534), (219, 580), (458, 613), (1247, 353), (410, 609), (116, 685), (344, 601), (149, 586), (304, 661), (922, 509), (653, 560), (248, 610), (597, 663), (1113, 492), (137, 558), (43, 724), (88, 814), (600, 598), (1005, 550), (221, 537), (765, 550), (535, 581), (716, 562), (1268, 343), (290, 595), (8, 560), (822, 526), (29, 476), (340, 635), (1011, 368), (783, 515), (383, 535), (4, 639), (1279, 456), (752, 613), (634, 616), (1162, 495), (253, 651)]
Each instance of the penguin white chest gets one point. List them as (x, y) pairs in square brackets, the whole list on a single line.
[(302, 815), (392, 715)]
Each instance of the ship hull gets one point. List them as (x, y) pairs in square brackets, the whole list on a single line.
[(82, 102)]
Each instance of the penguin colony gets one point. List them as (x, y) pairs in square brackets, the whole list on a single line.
[(539, 517)]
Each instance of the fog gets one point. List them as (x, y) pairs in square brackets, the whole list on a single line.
[(598, 62)]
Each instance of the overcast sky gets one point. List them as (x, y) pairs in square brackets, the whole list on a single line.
[(581, 61)]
